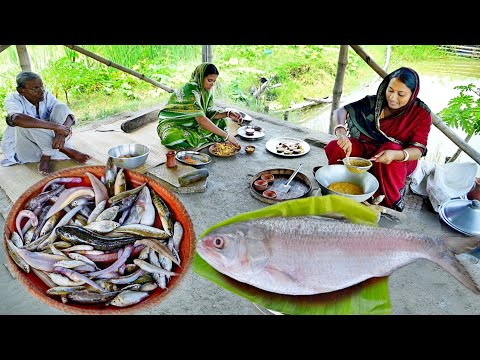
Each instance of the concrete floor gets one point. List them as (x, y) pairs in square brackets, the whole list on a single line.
[(418, 288)]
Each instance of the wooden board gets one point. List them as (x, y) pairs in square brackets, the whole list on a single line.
[(169, 178), (300, 185)]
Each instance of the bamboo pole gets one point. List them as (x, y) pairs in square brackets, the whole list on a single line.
[(3, 47), (439, 123), (262, 87), (338, 87), (377, 68), (467, 149), (23, 58), (319, 101), (207, 53), (210, 53), (119, 67)]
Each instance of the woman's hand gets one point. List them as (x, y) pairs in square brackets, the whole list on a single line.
[(233, 140), (387, 156), (235, 116), (345, 144)]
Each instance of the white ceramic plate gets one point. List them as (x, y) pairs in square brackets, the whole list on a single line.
[(256, 135), (271, 146)]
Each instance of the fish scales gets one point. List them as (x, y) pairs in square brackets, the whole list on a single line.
[(311, 255)]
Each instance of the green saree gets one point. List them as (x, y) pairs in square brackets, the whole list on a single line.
[(177, 127)]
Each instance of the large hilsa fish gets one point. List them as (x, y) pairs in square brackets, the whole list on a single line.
[(311, 254)]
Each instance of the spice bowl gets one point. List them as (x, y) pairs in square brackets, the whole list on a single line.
[(249, 149), (357, 164), (260, 185), (249, 131), (271, 194), (268, 177)]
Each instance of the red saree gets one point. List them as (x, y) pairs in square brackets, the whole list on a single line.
[(370, 134)]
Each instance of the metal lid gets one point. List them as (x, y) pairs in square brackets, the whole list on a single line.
[(462, 215)]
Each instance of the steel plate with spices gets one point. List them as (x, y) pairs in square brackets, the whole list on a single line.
[(193, 158)]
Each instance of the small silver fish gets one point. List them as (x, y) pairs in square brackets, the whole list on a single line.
[(128, 297)]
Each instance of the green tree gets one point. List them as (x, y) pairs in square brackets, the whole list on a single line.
[(463, 111)]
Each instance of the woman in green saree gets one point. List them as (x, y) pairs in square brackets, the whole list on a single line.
[(190, 118)]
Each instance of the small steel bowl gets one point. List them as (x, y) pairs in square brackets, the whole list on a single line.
[(357, 164), (129, 156)]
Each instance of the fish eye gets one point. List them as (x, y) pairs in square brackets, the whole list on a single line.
[(218, 242)]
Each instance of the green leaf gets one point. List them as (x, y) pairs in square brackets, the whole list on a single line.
[(368, 297)]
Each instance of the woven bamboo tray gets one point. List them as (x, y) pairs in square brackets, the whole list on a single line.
[(134, 179)]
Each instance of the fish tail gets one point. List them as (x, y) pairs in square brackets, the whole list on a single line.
[(450, 263), (461, 244)]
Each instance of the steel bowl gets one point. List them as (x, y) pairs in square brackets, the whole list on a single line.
[(352, 164), (129, 156), (329, 174)]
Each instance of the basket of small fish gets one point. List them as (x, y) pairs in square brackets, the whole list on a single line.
[(87, 246)]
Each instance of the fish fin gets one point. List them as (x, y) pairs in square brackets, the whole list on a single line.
[(343, 218), (461, 244), (335, 215), (279, 275)]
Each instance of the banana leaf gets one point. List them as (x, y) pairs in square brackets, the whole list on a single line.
[(369, 297)]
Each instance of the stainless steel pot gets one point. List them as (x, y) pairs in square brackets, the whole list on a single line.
[(329, 174)]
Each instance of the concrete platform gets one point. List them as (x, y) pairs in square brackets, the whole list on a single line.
[(419, 288)]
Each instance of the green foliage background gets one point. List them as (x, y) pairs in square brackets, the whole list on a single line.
[(95, 91)]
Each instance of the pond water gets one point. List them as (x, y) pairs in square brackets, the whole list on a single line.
[(436, 89)]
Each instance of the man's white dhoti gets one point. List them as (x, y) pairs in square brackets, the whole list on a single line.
[(33, 143)]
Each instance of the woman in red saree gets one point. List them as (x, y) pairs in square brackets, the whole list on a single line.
[(391, 128)]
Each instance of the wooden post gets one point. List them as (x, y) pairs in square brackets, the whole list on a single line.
[(23, 58), (3, 47), (207, 53), (338, 87), (119, 67), (439, 123), (377, 68)]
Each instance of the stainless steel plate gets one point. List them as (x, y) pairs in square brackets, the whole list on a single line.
[(256, 135), (193, 158)]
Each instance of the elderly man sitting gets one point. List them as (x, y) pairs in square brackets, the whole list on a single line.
[(39, 126)]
